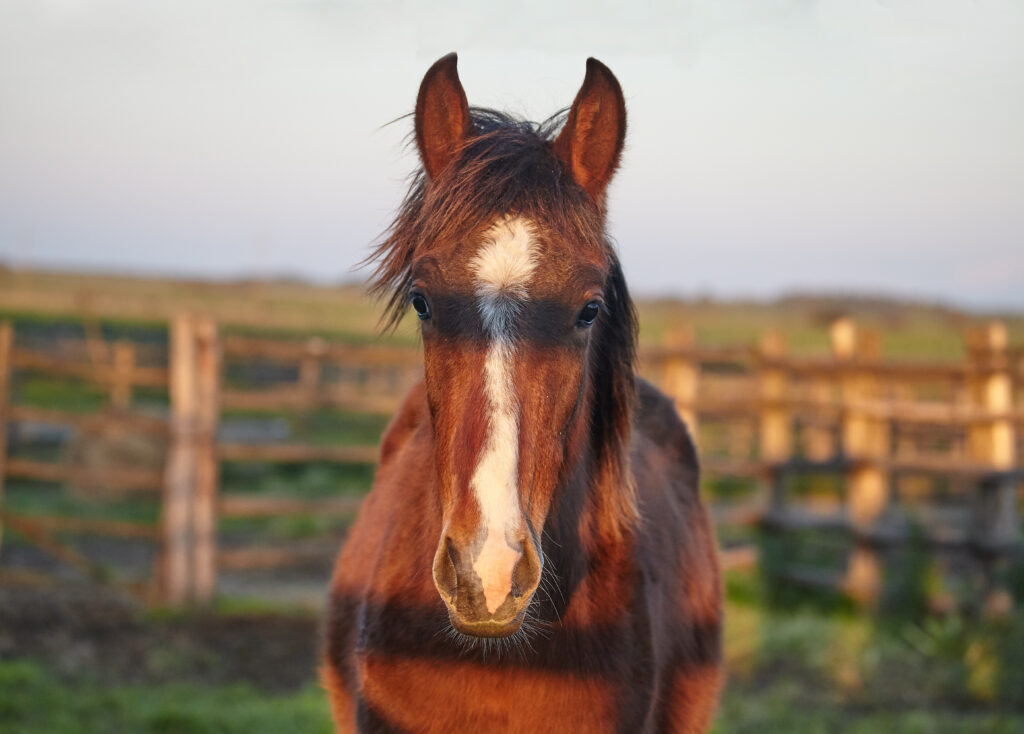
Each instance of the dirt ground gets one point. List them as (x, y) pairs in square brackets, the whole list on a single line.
[(88, 631)]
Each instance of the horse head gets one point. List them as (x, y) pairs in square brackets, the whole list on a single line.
[(501, 252)]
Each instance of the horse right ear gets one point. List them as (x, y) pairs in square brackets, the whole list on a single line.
[(442, 115), (591, 141)]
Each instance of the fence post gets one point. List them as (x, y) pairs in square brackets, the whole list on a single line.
[(123, 367), (819, 441), (776, 431), (204, 506), (180, 477), (6, 343), (310, 369), (681, 374), (775, 428), (865, 444), (991, 442)]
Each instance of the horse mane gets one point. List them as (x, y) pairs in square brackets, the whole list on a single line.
[(507, 165), (614, 395)]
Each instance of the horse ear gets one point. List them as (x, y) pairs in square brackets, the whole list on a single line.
[(591, 141), (442, 115)]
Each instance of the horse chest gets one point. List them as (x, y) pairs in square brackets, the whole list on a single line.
[(455, 696)]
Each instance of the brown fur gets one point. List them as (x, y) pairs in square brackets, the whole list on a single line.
[(623, 632)]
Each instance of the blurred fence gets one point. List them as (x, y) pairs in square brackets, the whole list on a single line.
[(867, 453)]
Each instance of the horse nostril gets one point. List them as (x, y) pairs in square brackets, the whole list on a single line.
[(526, 574), (445, 578)]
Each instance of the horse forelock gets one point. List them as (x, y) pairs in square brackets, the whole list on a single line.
[(505, 167)]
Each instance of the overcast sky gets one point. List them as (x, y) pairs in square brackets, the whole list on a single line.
[(773, 145)]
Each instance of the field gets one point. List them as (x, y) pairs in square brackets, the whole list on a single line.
[(77, 658), (911, 329), (76, 662)]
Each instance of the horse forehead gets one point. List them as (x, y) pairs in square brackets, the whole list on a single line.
[(506, 259), (516, 257)]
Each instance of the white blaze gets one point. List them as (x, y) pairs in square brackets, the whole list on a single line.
[(502, 270)]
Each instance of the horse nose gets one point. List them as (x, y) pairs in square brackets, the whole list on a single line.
[(487, 583)]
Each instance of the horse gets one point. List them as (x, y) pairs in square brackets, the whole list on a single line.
[(533, 555)]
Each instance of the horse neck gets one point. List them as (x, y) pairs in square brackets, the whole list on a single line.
[(594, 515)]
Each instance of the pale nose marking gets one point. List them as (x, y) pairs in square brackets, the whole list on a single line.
[(502, 271), (495, 566)]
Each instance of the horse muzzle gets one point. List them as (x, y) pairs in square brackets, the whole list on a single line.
[(487, 584)]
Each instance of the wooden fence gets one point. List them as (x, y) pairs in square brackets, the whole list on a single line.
[(764, 417), (855, 416)]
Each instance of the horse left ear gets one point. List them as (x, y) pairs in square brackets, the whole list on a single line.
[(591, 141), (442, 115)]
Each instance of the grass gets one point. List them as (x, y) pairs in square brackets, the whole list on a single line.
[(818, 665), (782, 708), (35, 498), (309, 480), (805, 669), (75, 396), (123, 304), (34, 699)]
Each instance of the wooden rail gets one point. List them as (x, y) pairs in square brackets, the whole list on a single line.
[(275, 506), (295, 398), (114, 478), (121, 372), (297, 453)]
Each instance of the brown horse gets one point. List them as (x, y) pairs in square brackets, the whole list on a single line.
[(534, 555)]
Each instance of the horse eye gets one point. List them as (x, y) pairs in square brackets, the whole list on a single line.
[(422, 308), (588, 314)]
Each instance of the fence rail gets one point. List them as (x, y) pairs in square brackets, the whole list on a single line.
[(762, 415)]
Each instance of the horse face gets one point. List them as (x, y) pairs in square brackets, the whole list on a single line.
[(507, 301), (506, 322)]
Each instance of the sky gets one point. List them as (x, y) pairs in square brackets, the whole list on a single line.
[(773, 146)]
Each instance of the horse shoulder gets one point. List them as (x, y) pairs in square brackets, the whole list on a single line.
[(411, 415), (678, 552), (672, 512), (401, 448), (663, 450)]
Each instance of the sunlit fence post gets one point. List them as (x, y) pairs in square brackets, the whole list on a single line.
[(180, 479), (865, 447), (681, 375), (204, 510), (775, 428), (189, 512), (992, 443)]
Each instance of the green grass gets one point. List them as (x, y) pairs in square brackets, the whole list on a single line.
[(911, 329), (803, 670), (35, 498), (323, 427), (310, 481), (782, 707), (34, 700), (819, 665), (329, 427), (75, 396)]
